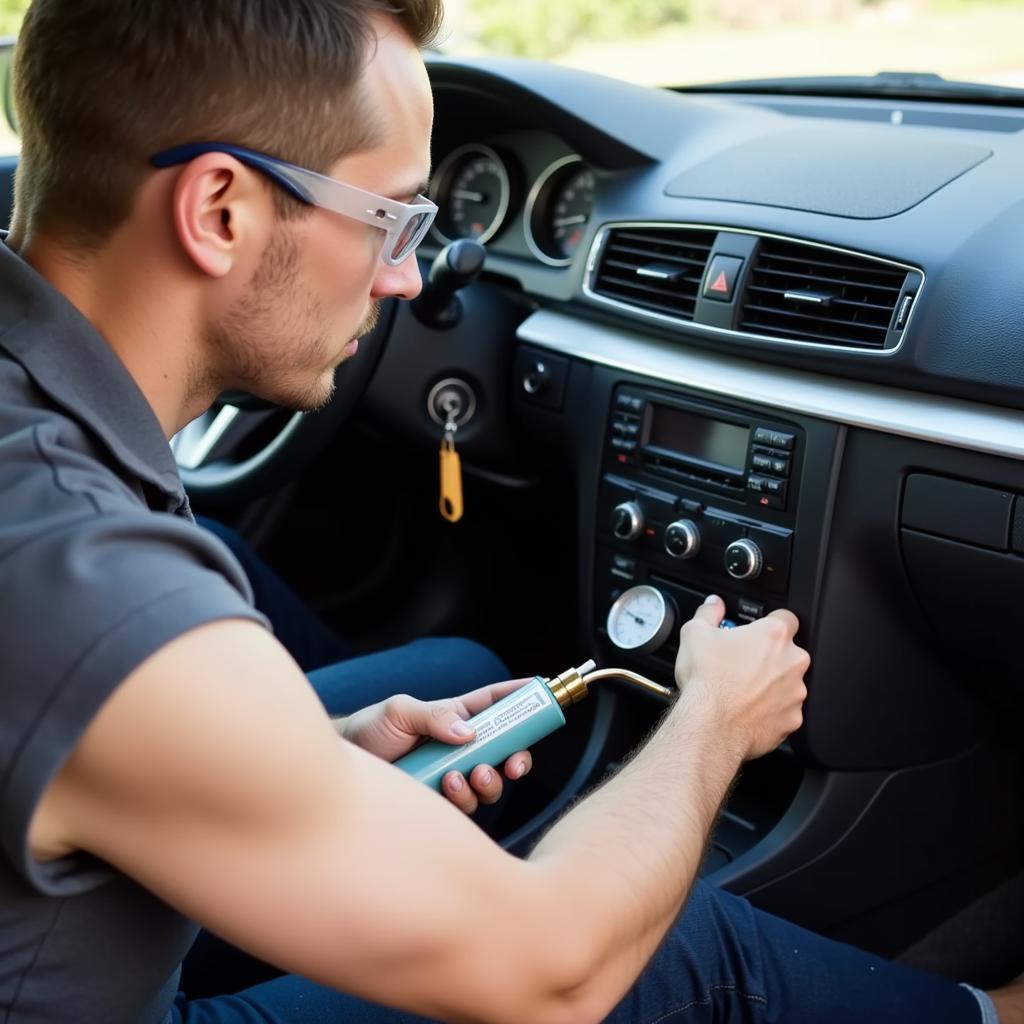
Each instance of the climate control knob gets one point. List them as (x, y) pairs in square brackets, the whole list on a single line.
[(627, 520), (743, 560), (682, 538)]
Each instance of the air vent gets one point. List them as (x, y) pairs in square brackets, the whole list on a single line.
[(806, 293), (654, 268)]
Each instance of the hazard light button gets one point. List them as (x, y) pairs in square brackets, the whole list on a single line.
[(720, 280)]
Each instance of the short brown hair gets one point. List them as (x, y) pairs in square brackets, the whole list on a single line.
[(102, 85)]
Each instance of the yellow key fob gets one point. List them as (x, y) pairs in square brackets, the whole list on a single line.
[(451, 482)]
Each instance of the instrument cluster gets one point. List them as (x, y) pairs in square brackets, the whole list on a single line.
[(481, 192)]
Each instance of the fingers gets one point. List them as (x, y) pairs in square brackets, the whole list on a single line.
[(518, 765), (440, 719), (476, 700), (454, 786), (792, 623), (712, 611), (484, 785)]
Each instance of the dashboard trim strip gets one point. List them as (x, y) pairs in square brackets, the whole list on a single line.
[(949, 421)]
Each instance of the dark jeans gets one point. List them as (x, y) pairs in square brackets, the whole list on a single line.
[(722, 961)]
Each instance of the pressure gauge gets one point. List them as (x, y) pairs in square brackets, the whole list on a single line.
[(640, 620)]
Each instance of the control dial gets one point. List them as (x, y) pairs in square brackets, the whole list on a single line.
[(627, 520), (743, 560), (682, 539)]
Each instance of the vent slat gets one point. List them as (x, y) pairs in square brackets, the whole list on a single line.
[(773, 257), (626, 251), (816, 318), (835, 302), (651, 289), (795, 335), (822, 279), (864, 296)]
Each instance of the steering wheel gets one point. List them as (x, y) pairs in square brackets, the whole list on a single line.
[(243, 447)]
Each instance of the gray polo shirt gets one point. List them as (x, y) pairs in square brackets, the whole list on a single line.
[(101, 565)]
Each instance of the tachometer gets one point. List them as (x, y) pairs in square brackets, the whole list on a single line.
[(558, 210), (472, 191)]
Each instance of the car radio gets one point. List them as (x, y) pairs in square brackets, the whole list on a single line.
[(695, 499), (710, 449)]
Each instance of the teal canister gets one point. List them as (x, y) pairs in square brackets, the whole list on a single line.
[(513, 723)]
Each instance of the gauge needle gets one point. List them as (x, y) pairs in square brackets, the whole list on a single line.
[(473, 197), (635, 618), (564, 222)]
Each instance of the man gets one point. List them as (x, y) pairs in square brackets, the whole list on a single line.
[(163, 760)]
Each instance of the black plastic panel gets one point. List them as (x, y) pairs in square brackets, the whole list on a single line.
[(957, 510)]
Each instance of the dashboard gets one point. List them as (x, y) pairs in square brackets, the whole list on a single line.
[(770, 347)]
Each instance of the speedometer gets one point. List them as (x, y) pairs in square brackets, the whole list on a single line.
[(472, 193), (558, 210)]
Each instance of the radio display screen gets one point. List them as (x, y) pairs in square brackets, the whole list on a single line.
[(697, 437)]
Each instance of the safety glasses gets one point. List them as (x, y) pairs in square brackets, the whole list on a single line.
[(404, 224)]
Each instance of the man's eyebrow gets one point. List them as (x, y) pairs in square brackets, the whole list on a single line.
[(407, 195)]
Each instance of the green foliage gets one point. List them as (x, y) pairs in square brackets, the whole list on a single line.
[(11, 13), (544, 28)]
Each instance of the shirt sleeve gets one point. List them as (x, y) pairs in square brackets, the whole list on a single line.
[(85, 604)]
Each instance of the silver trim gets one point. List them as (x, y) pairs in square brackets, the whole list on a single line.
[(452, 382), (531, 200), (949, 421), (194, 442), (442, 173), (602, 234)]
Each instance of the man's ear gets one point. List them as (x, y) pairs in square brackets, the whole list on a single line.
[(220, 210)]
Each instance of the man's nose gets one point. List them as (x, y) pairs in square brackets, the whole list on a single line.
[(401, 282)]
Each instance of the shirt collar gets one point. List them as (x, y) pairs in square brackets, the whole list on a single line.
[(70, 361)]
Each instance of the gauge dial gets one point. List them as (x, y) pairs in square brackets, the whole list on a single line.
[(640, 620), (472, 193), (558, 210)]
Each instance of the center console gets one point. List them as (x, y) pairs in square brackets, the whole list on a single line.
[(694, 498)]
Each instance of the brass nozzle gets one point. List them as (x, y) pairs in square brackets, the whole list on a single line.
[(571, 686)]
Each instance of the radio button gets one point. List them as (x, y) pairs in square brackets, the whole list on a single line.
[(757, 484), (748, 610), (774, 438), (780, 467), (763, 462), (776, 487)]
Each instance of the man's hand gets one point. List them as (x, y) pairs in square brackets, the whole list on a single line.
[(751, 678), (394, 726)]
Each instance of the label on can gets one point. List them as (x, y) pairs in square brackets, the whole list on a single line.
[(499, 718)]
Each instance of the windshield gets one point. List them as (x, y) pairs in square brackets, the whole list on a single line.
[(693, 42)]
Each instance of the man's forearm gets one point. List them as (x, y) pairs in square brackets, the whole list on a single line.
[(624, 860)]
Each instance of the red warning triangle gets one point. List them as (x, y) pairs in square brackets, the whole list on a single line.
[(720, 284)]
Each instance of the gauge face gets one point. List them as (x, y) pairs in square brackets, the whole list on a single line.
[(472, 194), (558, 210), (640, 620)]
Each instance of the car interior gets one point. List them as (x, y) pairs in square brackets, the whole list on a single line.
[(766, 344)]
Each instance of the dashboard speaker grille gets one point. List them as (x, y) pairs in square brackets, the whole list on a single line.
[(805, 293), (654, 268)]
